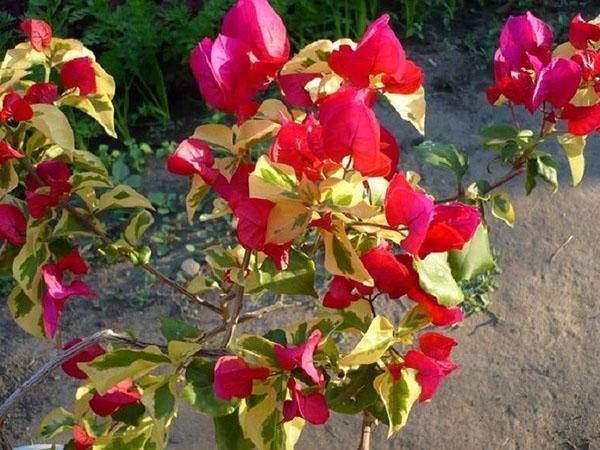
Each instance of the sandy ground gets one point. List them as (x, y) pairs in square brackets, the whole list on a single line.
[(531, 383)]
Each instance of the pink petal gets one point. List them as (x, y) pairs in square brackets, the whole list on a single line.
[(407, 206)]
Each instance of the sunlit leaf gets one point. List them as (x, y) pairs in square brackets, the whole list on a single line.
[(373, 344)]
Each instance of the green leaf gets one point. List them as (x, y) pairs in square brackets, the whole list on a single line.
[(26, 312), (159, 398), (56, 422), (120, 171), (546, 169), (297, 279), (68, 225), (229, 434), (341, 257), (196, 194), (129, 414), (373, 344), (53, 124), (354, 392), (475, 258), (257, 351), (176, 330), (398, 396), (199, 390), (138, 226), (436, 279), (259, 418), (499, 132), (111, 368), (443, 154), (273, 181), (502, 208), (413, 320), (573, 147), (123, 196)]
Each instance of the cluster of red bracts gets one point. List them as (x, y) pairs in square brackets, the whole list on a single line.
[(527, 74), (51, 188), (234, 378), (123, 394)]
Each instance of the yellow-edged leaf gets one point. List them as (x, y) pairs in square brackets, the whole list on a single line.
[(273, 181), (194, 197), (26, 312), (113, 367), (123, 196), (341, 258), (573, 147), (287, 220), (398, 396), (53, 124), (215, 135), (410, 107), (373, 344)]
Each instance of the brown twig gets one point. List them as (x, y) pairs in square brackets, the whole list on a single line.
[(238, 303), (64, 355), (369, 423), (496, 184), (90, 225)]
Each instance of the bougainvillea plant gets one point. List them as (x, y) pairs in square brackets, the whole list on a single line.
[(310, 179)]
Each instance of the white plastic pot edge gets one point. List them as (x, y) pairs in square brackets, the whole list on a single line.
[(41, 447)]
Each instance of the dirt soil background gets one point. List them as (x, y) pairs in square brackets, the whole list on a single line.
[(529, 383)]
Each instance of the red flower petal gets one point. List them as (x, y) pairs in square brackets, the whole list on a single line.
[(191, 157), (7, 152), (79, 73), (436, 345), (389, 274), (407, 206), (255, 23), (233, 377), (558, 82), (430, 374), (391, 149), (340, 293), (378, 52), (292, 87), (350, 128), (73, 262), (525, 35), (222, 71), (581, 32), (83, 441), (291, 147), (451, 227), (12, 224), (56, 294), (15, 108), (70, 366), (441, 316), (301, 356), (41, 93), (123, 394), (582, 120), (38, 32), (55, 175), (311, 407)]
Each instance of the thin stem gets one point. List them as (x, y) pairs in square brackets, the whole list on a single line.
[(511, 107), (238, 304), (501, 181), (368, 424), (376, 225), (64, 355), (90, 225)]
